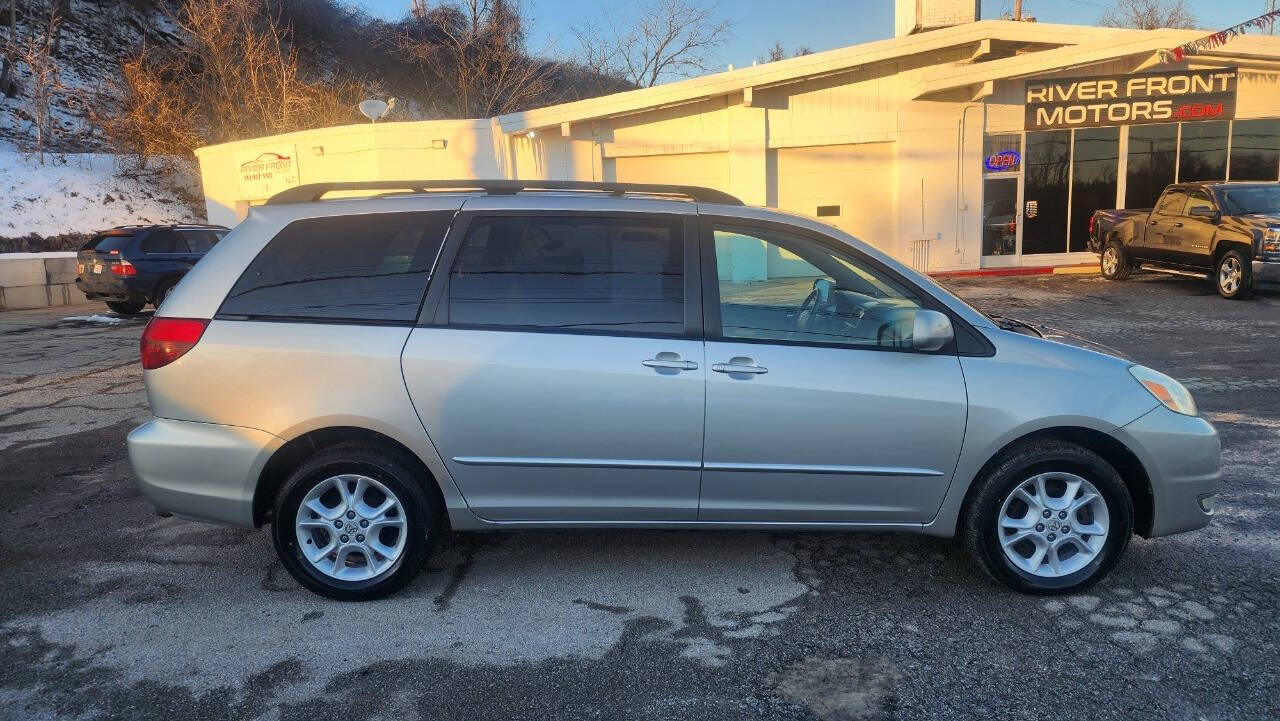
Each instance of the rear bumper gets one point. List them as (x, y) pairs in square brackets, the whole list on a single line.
[(127, 290), (202, 471), (1182, 456)]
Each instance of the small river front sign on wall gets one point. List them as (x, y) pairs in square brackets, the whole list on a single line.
[(1166, 97)]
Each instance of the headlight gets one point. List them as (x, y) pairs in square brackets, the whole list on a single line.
[(1271, 241), (1166, 390)]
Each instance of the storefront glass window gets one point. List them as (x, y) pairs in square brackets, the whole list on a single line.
[(1255, 149), (999, 216), (1153, 156), (1044, 218), (1093, 179), (1204, 151)]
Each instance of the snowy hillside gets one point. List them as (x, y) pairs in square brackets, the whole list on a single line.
[(78, 193)]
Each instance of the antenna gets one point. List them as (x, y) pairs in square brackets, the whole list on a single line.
[(375, 109)]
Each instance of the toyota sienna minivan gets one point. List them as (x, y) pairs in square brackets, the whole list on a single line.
[(368, 374)]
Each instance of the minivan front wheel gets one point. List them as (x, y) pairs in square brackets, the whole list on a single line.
[(1052, 517), (352, 523)]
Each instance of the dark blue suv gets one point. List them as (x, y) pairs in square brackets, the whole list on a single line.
[(133, 265)]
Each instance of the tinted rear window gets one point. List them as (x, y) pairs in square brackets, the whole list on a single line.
[(107, 243), (362, 268)]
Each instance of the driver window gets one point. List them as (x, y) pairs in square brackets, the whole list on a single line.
[(1197, 199), (782, 287)]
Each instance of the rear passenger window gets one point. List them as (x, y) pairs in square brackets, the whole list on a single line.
[(200, 241), (1171, 202), (371, 267), (163, 241), (570, 273)]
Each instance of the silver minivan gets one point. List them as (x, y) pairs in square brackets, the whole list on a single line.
[(369, 374)]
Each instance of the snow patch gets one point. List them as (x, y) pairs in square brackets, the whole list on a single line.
[(78, 193), (104, 319)]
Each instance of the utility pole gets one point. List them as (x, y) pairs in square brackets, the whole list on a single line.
[(1017, 10), (1271, 6)]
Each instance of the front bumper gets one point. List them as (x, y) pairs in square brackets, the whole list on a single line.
[(1183, 459), (1266, 272), (203, 471)]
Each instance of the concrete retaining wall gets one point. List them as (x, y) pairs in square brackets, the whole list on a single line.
[(37, 280)]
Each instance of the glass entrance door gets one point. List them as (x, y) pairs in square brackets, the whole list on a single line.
[(1000, 217)]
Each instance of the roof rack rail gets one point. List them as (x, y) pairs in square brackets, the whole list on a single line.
[(312, 192)]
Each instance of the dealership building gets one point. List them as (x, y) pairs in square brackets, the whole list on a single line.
[(958, 144)]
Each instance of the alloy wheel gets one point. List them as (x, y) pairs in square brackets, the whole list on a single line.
[(1230, 273), (1110, 260), (351, 527), (1053, 524)]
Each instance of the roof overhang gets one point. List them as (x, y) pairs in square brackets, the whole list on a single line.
[(803, 67), (1143, 46)]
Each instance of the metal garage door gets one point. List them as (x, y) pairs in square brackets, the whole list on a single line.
[(848, 186), (710, 170)]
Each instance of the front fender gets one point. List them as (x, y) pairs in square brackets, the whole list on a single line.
[(1029, 385)]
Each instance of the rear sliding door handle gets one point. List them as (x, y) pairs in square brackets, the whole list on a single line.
[(739, 364), (670, 360)]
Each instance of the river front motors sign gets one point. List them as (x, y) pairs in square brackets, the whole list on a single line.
[(265, 172), (1167, 97)]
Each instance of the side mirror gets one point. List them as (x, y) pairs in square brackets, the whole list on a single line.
[(1201, 211), (932, 330)]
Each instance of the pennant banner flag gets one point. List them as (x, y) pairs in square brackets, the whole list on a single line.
[(1178, 54)]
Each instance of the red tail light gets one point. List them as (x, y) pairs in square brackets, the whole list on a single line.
[(165, 340), (123, 268), (1092, 219)]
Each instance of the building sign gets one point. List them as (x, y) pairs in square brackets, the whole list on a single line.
[(265, 173), (1003, 160), (1166, 97)]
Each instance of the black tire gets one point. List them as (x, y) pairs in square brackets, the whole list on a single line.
[(401, 477), (1123, 266), (125, 307), (162, 292), (1243, 287), (1023, 461)]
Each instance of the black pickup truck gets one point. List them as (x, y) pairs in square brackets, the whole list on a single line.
[(1228, 232)]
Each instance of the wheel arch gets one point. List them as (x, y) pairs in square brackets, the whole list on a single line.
[(294, 452), (1105, 445), (1226, 245)]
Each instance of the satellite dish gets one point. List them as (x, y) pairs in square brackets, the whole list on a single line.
[(375, 109)]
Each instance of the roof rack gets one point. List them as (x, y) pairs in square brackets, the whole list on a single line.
[(312, 192)]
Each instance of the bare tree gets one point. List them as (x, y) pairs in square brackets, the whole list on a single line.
[(8, 51), (778, 52), (37, 53), (471, 60), (669, 38), (1149, 15), (235, 76)]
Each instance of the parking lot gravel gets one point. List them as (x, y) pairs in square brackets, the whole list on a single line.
[(108, 611)]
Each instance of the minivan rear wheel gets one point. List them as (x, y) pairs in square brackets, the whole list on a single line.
[(353, 522), (1051, 517)]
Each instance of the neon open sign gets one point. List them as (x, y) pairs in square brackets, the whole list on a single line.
[(1003, 160)]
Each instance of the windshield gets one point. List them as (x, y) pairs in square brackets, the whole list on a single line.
[(1251, 199)]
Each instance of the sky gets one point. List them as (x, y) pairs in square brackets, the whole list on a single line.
[(818, 24)]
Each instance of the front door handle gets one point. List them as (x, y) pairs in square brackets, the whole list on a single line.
[(667, 359), (1151, 222), (1177, 225), (739, 364)]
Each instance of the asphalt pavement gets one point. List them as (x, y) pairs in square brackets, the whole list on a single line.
[(108, 611)]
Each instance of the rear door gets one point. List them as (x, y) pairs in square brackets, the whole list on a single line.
[(1158, 241), (818, 410), (1193, 235), (561, 374)]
